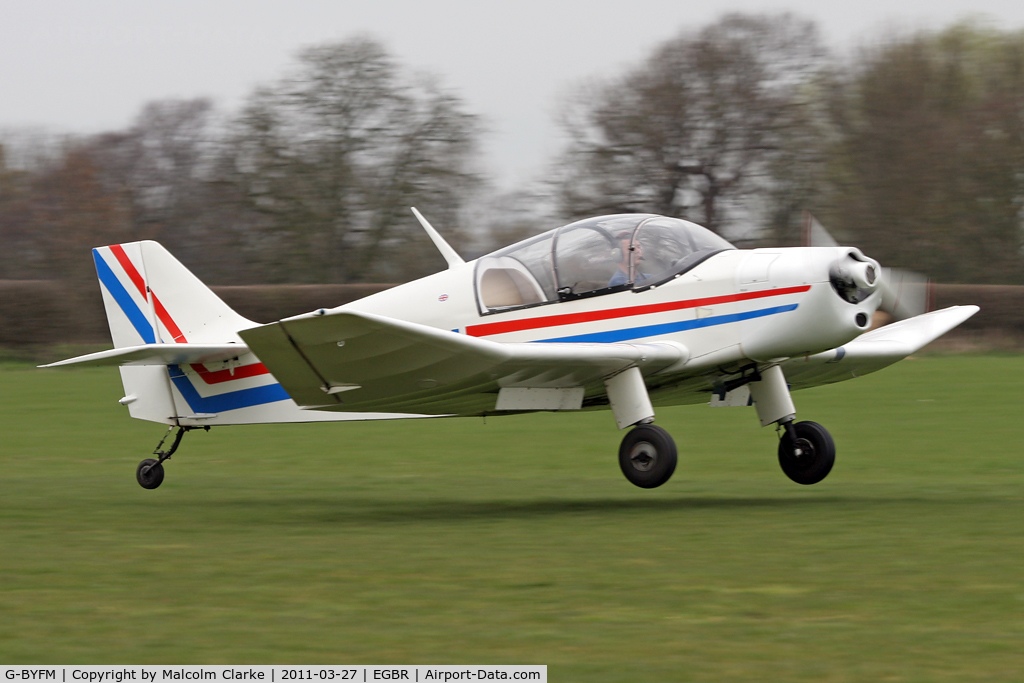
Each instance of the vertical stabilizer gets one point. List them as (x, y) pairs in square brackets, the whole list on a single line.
[(150, 297)]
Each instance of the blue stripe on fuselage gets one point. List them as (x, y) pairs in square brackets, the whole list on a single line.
[(667, 328), (219, 403)]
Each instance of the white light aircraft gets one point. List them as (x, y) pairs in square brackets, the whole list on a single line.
[(622, 312)]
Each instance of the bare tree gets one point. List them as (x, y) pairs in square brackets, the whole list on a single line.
[(930, 172), (70, 212), (692, 131), (14, 190), (332, 157), (27, 158), (164, 166)]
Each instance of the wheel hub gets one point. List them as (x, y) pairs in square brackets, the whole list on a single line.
[(803, 449), (806, 452), (643, 456)]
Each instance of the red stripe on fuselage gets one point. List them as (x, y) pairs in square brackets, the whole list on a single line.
[(209, 376), (218, 376), (504, 327)]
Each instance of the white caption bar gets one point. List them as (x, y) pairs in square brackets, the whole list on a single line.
[(270, 674)]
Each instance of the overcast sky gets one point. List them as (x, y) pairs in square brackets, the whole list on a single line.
[(90, 65)]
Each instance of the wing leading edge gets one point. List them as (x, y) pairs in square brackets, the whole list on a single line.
[(874, 350), (353, 361)]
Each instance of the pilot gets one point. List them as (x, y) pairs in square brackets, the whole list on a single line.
[(621, 275)]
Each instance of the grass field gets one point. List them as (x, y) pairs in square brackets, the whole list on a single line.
[(519, 541)]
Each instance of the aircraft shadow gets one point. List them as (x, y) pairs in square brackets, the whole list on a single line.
[(361, 511)]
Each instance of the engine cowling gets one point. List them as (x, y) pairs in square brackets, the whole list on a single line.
[(854, 276)]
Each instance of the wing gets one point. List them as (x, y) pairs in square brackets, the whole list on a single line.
[(874, 350), (352, 361)]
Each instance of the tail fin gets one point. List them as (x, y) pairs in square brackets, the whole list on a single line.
[(181, 359), (150, 297), (167, 324)]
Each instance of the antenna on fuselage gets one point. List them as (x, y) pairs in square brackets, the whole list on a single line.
[(449, 254)]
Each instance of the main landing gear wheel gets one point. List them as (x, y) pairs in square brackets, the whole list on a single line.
[(647, 456), (149, 473), (806, 452)]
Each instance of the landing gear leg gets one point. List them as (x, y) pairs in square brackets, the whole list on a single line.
[(806, 449), (647, 455), (150, 472)]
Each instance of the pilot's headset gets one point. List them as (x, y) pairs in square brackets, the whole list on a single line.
[(618, 253)]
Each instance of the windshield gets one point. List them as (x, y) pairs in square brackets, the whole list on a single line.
[(591, 257), (665, 247)]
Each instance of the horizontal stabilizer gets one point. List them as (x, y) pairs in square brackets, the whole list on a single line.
[(348, 360), (158, 354)]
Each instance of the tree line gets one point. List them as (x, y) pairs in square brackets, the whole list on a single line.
[(911, 147)]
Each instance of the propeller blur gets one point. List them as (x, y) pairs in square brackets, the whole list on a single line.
[(905, 294)]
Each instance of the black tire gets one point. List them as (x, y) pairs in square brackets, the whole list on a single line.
[(647, 456), (818, 454), (149, 473)]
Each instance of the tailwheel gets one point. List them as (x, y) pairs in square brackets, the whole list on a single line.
[(806, 452), (149, 473), (647, 456)]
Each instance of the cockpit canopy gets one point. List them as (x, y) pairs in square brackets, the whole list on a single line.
[(592, 257)]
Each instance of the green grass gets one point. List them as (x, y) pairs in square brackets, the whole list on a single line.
[(519, 541)]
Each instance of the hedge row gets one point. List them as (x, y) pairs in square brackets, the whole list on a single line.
[(45, 312), (1002, 306)]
